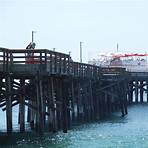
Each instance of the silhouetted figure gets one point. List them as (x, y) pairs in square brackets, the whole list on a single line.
[(30, 54), (31, 46)]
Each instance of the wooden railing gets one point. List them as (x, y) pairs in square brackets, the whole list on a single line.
[(84, 70), (50, 62), (3, 59), (112, 70)]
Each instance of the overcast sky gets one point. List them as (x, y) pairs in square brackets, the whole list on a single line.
[(62, 24)]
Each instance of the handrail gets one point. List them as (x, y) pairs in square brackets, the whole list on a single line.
[(51, 62)]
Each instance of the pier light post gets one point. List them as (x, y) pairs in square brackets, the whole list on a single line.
[(117, 47), (33, 35), (81, 52)]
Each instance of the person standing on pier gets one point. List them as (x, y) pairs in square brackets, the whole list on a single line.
[(29, 55)]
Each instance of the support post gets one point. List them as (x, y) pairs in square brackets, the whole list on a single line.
[(22, 108), (141, 91), (54, 106), (91, 101), (73, 101), (136, 91), (64, 106), (130, 92), (8, 104), (40, 119), (147, 90)]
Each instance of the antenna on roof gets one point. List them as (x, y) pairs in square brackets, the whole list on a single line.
[(117, 47)]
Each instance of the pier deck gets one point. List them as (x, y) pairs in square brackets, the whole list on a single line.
[(56, 91)]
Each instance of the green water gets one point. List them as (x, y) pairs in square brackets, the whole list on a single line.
[(114, 132)]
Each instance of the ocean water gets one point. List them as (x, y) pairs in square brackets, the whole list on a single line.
[(130, 131)]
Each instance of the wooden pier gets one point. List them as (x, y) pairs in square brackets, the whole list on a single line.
[(58, 92)]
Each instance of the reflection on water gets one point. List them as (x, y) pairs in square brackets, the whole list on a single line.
[(115, 132)]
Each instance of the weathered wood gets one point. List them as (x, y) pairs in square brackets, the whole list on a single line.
[(22, 108), (125, 91), (96, 106), (33, 109), (108, 104), (28, 114), (91, 100), (122, 108), (141, 91), (100, 105), (64, 106), (68, 102), (130, 92), (125, 107), (86, 104), (78, 103), (40, 114), (73, 101), (49, 102), (136, 91), (58, 105), (54, 113), (8, 104), (147, 90), (59, 89)]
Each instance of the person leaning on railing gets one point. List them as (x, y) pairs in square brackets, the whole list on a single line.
[(29, 56)]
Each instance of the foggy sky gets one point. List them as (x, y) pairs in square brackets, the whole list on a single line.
[(62, 24)]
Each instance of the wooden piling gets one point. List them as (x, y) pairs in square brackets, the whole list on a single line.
[(39, 118), (54, 106), (141, 91), (136, 91), (49, 105), (8, 104), (73, 100), (59, 103), (130, 92), (22, 108), (78, 102), (91, 101), (147, 91), (122, 107), (64, 106)]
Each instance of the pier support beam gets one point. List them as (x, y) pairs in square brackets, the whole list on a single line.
[(136, 91), (40, 114), (141, 91), (8, 104), (73, 101), (147, 91), (79, 118), (64, 106), (130, 92), (22, 108), (54, 106), (91, 101)]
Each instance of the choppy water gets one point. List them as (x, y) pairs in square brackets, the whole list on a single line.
[(115, 132)]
